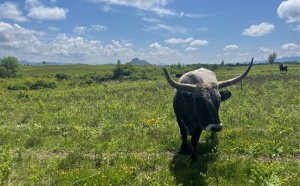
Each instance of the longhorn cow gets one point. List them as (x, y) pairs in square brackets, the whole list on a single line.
[(196, 104)]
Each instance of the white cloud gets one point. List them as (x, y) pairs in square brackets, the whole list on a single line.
[(128, 45), (179, 40), (53, 28), (32, 3), (99, 27), (190, 40), (84, 51), (47, 13), (231, 47), (291, 49), (80, 30), (265, 50), (10, 10), (156, 6), (155, 45), (259, 30), (14, 36), (151, 20), (38, 11), (243, 54), (191, 49), (290, 46), (199, 42), (289, 10), (172, 29), (160, 53)]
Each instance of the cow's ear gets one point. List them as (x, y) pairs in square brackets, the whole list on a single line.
[(225, 95)]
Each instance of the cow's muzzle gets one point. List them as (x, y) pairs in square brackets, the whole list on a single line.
[(214, 127)]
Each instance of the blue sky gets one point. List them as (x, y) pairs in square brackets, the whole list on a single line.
[(159, 31)]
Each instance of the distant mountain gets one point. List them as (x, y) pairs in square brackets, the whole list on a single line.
[(137, 61), (288, 59), (283, 59), (25, 63)]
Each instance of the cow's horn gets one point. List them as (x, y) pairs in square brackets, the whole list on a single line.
[(177, 85), (226, 83)]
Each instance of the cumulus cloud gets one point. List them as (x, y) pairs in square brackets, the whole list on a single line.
[(47, 13), (85, 51), (23, 43), (155, 45), (160, 53), (191, 41), (291, 49), (230, 47), (265, 50), (290, 46), (10, 10), (259, 30), (98, 27), (14, 36), (38, 11), (81, 30), (199, 42), (191, 49), (179, 40), (289, 10)]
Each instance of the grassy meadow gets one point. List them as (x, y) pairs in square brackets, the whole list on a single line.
[(81, 130)]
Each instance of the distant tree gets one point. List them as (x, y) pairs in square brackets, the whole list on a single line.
[(44, 62), (117, 72), (178, 65), (222, 63), (272, 58), (127, 69), (122, 70), (9, 66)]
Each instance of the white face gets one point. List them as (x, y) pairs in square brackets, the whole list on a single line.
[(214, 127)]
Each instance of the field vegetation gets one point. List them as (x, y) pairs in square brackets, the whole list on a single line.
[(81, 125)]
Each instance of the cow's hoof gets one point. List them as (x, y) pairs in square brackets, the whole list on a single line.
[(184, 150), (193, 158)]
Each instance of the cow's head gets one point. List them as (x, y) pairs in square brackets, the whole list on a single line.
[(207, 98)]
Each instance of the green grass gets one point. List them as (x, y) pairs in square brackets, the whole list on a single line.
[(124, 133)]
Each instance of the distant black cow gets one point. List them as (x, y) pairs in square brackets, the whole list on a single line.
[(178, 75), (283, 68)]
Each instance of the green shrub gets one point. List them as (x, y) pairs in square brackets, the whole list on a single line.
[(38, 84), (9, 66), (61, 76)]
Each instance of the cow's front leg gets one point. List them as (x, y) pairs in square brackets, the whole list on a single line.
[(184, 149), (194, 141)]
